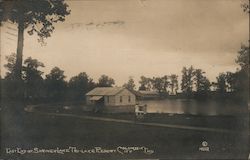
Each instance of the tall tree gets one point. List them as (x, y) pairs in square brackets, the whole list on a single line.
[(190, 80), (56, 84), (145, 83), (242, 81), (33, 78), (158, 84), (198, 79), (105, 81), (79, 85), (201, 82), (242, 76), (9, 85), (243, 57), (10, 66), (130, 84), (187, 80), (221, 83), (173, 83), (231, 81), (35, 16), (184, 79), (165, 81)]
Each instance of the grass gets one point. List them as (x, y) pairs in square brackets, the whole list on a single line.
[(34, 130), (231, 122)]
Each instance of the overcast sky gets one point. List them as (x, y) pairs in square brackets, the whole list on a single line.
[(123, 38)]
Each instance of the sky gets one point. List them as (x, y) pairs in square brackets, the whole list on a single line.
[(131, 38)]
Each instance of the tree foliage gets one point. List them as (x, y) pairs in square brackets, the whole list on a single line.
[(79, 85), (105, 81), (158, 84), (130, 84), (201, 82), (221, 83), (187, 80), (145, 83), (243, 57), (36, 16), (32, 77), (10, 66), (173, 83), (56, 84)]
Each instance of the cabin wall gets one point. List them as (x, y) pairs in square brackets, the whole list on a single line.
[(122, 98), (109, 100)]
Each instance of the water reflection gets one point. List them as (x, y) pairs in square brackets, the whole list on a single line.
[(194, 107)]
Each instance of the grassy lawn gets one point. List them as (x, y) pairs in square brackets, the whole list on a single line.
[(50, 132), (231, 122)]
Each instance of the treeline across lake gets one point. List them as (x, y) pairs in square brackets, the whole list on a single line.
[(195, 84), (53, 87)]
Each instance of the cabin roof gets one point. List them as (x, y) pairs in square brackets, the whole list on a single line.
[(105, 91)]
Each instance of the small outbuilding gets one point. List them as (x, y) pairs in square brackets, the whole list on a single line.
[(144, 95), (111, 99)]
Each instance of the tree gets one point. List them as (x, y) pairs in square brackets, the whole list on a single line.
[(187, 80), (105, 81), (246, 7), (201, 82), (221, 83), (243, 57), (10, 66), (190, 79), (11, 89), (145, 83), (130, 84), (158, 84), (165, 81), (231, 81), (35, 16), (173, 83), (242, 76), (184, 84), (242, 81), (79, 85), (198, 78), (33, 78), (56, 84)]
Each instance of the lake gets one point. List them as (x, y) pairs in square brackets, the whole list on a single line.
[(194, 107)]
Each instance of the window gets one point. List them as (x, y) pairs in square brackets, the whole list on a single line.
[(129, 99), (120, 99), (107, 99)]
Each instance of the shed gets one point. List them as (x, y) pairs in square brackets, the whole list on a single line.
[(111, 99)]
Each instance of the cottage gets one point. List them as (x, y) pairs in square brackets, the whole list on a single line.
[(148, 95), (111, 99)]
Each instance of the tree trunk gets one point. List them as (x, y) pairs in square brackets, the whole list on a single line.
[(19, 61), (19, 52)]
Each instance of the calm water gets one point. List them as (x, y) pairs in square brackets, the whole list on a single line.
[(180, 106)]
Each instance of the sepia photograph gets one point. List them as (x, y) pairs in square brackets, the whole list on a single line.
[(124, 79)]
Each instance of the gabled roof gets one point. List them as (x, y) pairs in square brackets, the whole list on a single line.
[(105, 91)]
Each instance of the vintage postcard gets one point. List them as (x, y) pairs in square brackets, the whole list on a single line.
[(124, 79)]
